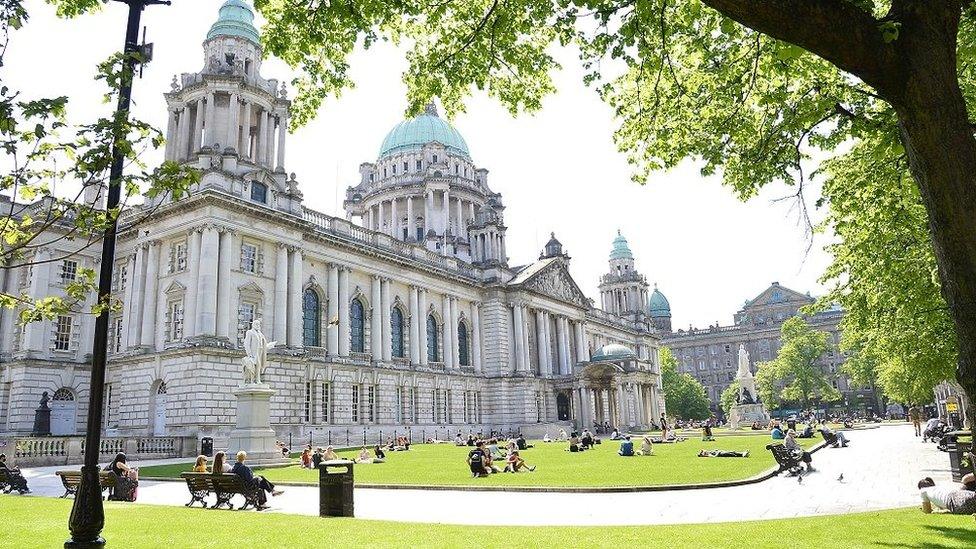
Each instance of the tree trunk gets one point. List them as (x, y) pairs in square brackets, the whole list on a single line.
[(941, 150)]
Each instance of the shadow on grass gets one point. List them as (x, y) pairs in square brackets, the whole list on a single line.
[(966, 537)]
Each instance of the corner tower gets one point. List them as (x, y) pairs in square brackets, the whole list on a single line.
[(623, 291), (228, 119)]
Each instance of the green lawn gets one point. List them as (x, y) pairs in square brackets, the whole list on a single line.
[(33, 522), (444, 465)]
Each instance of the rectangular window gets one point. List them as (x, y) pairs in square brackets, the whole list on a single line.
[(728, 348), (259, 192), (355, 403), (308, 402), (413, 405), (69, 271), (477, 403), (116, 341), (62, 333), (538, 407), (401, 411), (175, 321), (436, 405), (420, 164), (246, 314), (371, 404), (107, 412), (448, 408), (326, 402), (701, 364), (249, 258), (405, 166)]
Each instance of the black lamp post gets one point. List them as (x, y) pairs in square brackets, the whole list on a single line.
[(87, 515)]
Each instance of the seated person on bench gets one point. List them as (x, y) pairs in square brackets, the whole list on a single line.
[(948, 498), (828, 433), (722, 454), (17, 480), (626, 447), (794, 447), (259, 482)]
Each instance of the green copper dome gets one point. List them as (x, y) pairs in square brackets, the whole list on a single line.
[(413, 134), (612, 353), (658, 306), (236, 19), (620, 248)]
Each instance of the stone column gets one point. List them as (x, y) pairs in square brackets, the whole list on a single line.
[(381, 219), (233, 121), (344, 312), (446, 332), (269, 141), (446, 211), (540, 338), (196, 143), (519, 339), (386, 308), (333, 321), (547, 342), (148, 337), (172, 133), (184, 138), (455, 344), (411, 229), (261, 136), (476, 336), (245, 143), (394, 219), (584, 347), (428, 198), (281, 297), (422, 324), (563, 328), (375, 320), (210, 126), (623, 415), (296, 283), (207, 294), (192, 287), (225, 284), (414, 327), (282, 136), (134, 305)]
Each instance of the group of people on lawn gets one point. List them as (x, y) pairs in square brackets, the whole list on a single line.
[(220, 466), (481, 459)]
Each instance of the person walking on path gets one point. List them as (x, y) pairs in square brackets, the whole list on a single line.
[(916, 416)]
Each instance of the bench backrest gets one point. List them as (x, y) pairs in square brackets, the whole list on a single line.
[(226, 483), (781, 454), (105, 478)]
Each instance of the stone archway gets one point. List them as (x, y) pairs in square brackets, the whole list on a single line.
[(562, 407)]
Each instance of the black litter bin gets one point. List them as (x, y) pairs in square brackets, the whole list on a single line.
[(335, 488), (959, 461), (206, 446)]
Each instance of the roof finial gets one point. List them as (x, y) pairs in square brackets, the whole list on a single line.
[(618, 232), (431, 108)]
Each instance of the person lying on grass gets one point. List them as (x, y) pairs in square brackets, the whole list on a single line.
[(949, 497), (722, 454), (515, 463)]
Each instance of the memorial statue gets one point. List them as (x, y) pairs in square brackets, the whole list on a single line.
[(256, 348), (44, 399), (747, 383)]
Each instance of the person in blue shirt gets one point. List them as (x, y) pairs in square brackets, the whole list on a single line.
[(777, 432), (626, 447), (249, 477)]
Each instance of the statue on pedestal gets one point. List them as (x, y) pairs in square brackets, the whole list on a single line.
[(42, 418), (256, 348), (747, 383), (748, 409)]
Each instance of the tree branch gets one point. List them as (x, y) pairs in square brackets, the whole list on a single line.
[(836, 30)]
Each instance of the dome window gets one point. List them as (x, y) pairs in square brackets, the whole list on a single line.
[(435, 159), (406, 166), (420, 165)]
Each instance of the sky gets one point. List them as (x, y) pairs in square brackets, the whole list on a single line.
[(557, 170)]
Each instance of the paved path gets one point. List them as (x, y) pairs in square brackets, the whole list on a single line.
[(880, 468)]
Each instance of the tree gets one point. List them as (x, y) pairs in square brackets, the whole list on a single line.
[(751, 87), (685, 396), (796, 371), (729, 398), (44, 153), (767, 386)]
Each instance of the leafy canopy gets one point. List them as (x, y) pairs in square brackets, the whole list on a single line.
[(685, 397), (795, 375)]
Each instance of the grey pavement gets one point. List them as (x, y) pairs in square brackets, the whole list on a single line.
[(880, 468)]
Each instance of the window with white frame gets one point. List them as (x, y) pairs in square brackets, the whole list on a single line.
[(371, 404), (69, 271), (326, 402), (177, 256), (116, 336), (174, 328), (308, 402), (249, 258), (401, 409), (477, 404), (448, 408), (356, 388), (538, 406), (62, 333), (413, 415), (246, 313), (436, 405)]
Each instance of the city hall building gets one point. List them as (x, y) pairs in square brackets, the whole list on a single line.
[(406, 311)]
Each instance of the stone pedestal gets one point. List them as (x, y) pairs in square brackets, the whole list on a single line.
[(253, 432), (42, 422), (743, 415)]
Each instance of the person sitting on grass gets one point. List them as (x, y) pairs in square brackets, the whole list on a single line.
[(707, 432), (492, 448), (14, 476), (828, 433), (257, 481), (364, 456), (562, 435), (807, 432), (615, 435), (476, 461), (586, 441), (722, 454), (471, 439), (306, 459), (380, 455), (626, 447), (647, 447), (330, 454), (948, 498), (489, 466), (514, 463), (794, 447), (520, 442), (574, 443), (201, 465), (545, 438), (317, 458), (777, 432), (459, 440)]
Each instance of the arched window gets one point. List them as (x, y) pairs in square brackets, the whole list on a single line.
[(396, 331), (463, 355), (63, 395), (432, 355), (312, 322), (356, 319)]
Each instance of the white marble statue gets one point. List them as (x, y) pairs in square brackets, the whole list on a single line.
[(256, 348), (747, 383)]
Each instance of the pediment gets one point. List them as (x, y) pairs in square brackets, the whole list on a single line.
[(776, 295), (174, 288), (250, 287), (555, 281)]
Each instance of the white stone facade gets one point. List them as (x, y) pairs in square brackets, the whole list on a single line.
[(402, 313)]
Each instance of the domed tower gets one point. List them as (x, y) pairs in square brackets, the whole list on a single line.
[(424, 188), (228, 119), (660, 310), (623, 291)]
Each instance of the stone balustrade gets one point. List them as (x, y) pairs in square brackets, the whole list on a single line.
[(47, 451)]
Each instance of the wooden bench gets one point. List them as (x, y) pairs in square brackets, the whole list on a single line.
[(72, 479), (224, 486), (12, 480), (787, 460), (829, 438)]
